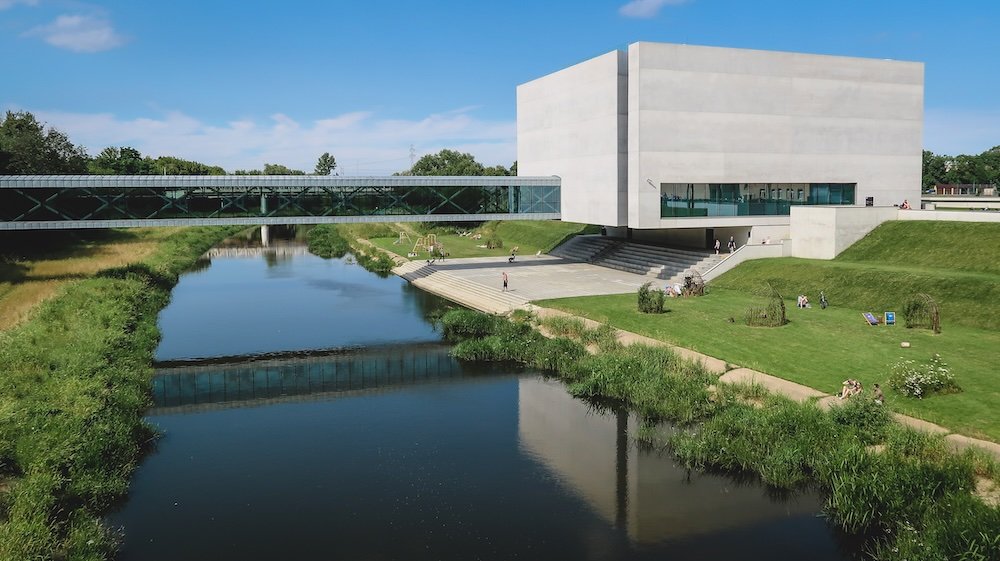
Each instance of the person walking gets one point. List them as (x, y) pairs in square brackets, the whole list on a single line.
[(717, 245), (732, 244), (504, 277)]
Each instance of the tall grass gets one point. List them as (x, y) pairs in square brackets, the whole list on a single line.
[(72, 397)]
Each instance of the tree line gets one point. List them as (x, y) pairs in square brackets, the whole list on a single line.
[(29, 147), (981, 169)]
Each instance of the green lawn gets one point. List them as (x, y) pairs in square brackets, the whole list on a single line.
[(529, 236), (957, 263), (821, 348)]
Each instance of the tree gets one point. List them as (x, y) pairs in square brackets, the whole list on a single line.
[(326, 164), (120, 161), (27, 147), (934, 169), (278, 169), (447, 162)]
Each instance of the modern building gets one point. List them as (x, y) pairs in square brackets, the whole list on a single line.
[(692, 143)]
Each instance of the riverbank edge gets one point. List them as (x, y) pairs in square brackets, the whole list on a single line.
[(906, 488), (73, 401), (482, 299)]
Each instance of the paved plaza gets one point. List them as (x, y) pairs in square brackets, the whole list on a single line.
[(544, 276)]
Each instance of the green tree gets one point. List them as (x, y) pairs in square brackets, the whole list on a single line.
[(278, 169), (934, 169), (447, 162), (28, 147), (326, 164), (120, 161), (169, 165)]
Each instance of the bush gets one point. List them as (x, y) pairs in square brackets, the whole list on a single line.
[(868, 417), (494, 242), (650, 299), (468, 324), (917, 380)]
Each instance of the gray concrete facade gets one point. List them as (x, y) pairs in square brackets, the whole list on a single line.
[(703, 115), (573, 124)]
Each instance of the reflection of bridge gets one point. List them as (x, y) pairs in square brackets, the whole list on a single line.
[(223, 386), (32, 202)]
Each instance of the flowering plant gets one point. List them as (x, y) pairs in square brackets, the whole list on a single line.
[(919, 379)]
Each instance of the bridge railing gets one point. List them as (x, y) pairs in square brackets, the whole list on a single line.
[(123, 198)]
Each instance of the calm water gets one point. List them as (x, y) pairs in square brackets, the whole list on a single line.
[(397, 451)]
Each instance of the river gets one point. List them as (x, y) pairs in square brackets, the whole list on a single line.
[(353, 434)]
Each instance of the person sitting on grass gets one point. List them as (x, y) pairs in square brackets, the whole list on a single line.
[(879, 396), (851, 388), (803, 301)]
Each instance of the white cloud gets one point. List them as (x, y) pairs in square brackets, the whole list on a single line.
[(363, 143), (79, 33), (646, 8), (960, 131), (4, 4)]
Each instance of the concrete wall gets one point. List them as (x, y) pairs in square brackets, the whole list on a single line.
[(950, 215), (718, 115), (572, 124), (823, 232)]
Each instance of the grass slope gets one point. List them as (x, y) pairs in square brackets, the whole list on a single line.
[(957, 263), (529, 236)]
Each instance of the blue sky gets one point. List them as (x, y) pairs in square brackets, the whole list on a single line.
[(239, 84)]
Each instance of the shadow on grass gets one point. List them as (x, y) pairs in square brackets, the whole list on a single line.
[(57, 244)]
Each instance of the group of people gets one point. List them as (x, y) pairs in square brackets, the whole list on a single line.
[(731, 245), (905, 205), (803, 301), (673, 290), (853, 387)]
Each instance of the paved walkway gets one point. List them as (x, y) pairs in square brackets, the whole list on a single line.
[(475, 282), (544, 276)]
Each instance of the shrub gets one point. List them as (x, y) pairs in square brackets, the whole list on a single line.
[(494, 242), (868, 417), (922, 311), (917, 380), (468, 324), (650, 299)]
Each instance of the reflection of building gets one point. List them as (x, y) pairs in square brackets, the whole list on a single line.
[(663, 136), (595, 456)]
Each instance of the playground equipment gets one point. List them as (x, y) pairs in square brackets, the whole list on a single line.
[(402, 236)]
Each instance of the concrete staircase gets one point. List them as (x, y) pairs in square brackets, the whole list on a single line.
[(655, 262), (465, 292)]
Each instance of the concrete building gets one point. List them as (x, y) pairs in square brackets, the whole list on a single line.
[(687, 143)]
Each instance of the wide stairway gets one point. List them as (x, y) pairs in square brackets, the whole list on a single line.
[(655, 262), (467, 293)]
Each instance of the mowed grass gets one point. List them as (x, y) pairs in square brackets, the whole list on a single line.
[(820, 348), (958, 264), (529, 236)]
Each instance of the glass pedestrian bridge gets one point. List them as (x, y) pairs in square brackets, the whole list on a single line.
[(45, 202)]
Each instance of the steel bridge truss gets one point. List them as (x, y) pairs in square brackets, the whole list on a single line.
[(71, 201)]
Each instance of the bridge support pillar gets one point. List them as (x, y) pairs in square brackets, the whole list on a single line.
[(265, 236)]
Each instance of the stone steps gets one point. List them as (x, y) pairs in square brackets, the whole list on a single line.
[(651, 261), (465, 292)]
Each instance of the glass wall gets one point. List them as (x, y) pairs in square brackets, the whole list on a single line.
[(682, 200)]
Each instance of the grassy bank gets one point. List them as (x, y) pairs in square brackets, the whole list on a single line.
[(337, 240), (957, 263), (820, 349), (74, 389), (528, 236), (909, 492)]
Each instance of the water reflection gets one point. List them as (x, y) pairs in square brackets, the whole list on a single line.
[(650, 497), (258, 300)]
